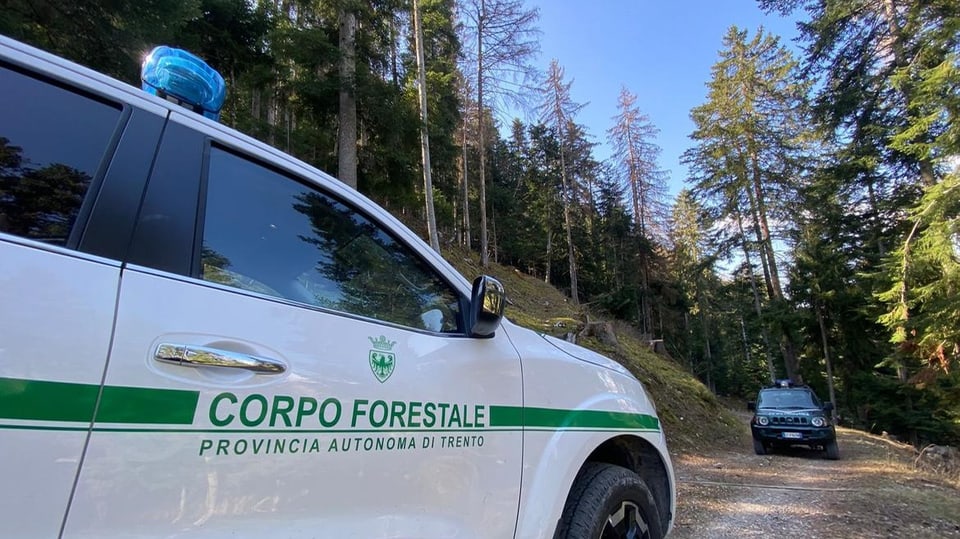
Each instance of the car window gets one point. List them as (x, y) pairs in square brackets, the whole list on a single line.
[(52, 141), (786, 399), (268, 233)]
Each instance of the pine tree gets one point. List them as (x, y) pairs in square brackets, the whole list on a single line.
[(347, 132), (431, 215), (888, 94), (750, 140), (925, 296)]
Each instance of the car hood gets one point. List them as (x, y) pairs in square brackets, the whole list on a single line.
[(589, 356)]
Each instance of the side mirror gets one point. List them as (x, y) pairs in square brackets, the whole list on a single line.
[(752, 406), (828, 407), (486, 306)]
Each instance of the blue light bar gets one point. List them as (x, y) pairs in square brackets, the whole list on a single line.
[(181, 77)]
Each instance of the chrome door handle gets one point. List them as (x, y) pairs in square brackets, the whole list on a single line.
[(201, 356)]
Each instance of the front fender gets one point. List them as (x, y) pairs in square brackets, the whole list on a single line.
[(571, 408), (552, 461)]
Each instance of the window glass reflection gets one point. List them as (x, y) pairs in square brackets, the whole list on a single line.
[(267, 233), (51, 144)]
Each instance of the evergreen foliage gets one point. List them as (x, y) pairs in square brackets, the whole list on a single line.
[(821, 224)]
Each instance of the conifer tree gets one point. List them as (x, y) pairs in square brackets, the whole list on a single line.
[(750, 140), (889, 81), (636, 157), (558, 110)]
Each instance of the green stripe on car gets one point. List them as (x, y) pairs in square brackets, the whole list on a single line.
[(553, 418), (65, 401), (73, 402)]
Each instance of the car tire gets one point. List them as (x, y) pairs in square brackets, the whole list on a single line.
[(609, 501), (832, 450), (759, 448)]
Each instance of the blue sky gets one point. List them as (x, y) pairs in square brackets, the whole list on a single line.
[(662, 50)]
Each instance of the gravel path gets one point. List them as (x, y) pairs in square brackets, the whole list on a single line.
[(873, 491)]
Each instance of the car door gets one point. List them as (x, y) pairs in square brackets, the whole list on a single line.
[(59, 273), (287, 363)]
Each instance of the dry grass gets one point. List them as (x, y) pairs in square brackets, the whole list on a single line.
[(882, 455)]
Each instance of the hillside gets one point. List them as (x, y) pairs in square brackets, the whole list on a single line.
[(692, 416)]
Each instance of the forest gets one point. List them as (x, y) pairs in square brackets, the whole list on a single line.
[(817, 237)]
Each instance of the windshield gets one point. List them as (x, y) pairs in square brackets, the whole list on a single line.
[(786, 398)]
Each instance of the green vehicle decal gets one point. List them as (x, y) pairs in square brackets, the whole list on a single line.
[(63, 401), (34, 400), (557, 419), (382, 359)]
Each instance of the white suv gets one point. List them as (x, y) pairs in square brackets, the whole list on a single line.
[(201, 336)]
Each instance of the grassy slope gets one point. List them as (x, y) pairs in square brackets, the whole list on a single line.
[(693, 418)]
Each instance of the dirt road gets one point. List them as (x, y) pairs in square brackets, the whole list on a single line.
[(874, 490)]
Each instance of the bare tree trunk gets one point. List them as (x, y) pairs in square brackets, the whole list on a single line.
[(561, 119), (591, 206), (645, 313), (761, 246), (493, 234), (288, 125), (424, 130), (546, 273), (458, 204), (746, 346), (767, 256), (826, 357), (271, 116), (482, 149), (394, 70), (756, 299), (567, 221), (640, 221), (255, 105), (633, 174), (347, 134), (764, 229), (708, 355), (466, 242)]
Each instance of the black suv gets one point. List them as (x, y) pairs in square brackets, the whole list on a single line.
[(786, 415)]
